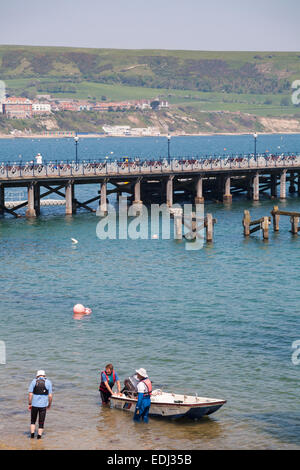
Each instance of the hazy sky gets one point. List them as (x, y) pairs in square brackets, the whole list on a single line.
[(271, 25)]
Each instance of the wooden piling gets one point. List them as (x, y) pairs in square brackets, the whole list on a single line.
[(30, 212), (169, 191), (256, 187), (283, 185), (69, 198), (246, 223), (265, 227), (178, 227), (227, 197), (294, 219), (276, 218), (209, 225), (259, 224), (294, 224), (199, 199)]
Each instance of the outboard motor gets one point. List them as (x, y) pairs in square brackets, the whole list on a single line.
[(130, 386)]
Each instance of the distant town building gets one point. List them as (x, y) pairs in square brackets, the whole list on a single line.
[(128, 131), (15, 107), (41, 108), (163, 104), (68, 106)]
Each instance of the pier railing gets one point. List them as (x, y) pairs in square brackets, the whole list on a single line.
[(136, 166)]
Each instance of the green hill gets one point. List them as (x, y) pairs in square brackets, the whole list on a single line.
[(193, 82), (230, 72)]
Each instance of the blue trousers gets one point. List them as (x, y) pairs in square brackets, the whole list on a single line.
[(143, 406)]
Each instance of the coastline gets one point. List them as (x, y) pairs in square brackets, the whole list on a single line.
[(102, 136)]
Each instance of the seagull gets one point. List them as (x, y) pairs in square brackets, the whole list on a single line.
[(74, 240)]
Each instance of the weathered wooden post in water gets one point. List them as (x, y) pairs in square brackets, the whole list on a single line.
[(209, 226), (194, 224), (295, 224), (246, 223), (261, 224), (294, 219), (265, 227), (276, 218)]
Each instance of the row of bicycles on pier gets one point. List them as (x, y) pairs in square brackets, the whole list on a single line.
[(11, 169)]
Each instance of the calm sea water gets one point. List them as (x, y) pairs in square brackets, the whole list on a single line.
[(219, 322)]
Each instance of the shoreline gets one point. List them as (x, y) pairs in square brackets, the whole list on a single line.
[(101, 136)]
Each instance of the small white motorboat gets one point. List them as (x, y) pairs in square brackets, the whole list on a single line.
[(170, 405)]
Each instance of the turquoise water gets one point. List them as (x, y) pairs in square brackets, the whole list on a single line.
[(219, 322)]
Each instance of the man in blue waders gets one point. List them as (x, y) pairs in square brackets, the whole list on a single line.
[(144, 389)]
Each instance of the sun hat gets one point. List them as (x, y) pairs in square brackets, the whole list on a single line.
[(142, 372), (40, 372)]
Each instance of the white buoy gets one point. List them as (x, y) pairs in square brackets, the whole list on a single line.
[(155, 236), (74, 241)]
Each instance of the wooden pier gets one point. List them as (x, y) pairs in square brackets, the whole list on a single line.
[(147, 181)]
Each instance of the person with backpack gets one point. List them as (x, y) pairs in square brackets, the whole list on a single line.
[(39, 400), (108, 379)]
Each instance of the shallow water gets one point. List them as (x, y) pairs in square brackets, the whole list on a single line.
[(219, 322)]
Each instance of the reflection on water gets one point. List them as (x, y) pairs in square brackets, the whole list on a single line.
[(284, 426)]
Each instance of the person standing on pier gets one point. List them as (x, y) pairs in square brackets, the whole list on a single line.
[(39, 400), (144, 389), (108, 379)]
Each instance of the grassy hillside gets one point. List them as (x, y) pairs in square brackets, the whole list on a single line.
[(194, 82), (230, 72)]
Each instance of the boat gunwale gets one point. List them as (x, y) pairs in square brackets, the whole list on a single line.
[(190, 405)]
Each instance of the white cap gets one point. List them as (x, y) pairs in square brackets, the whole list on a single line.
[(142, 372), (40, 372)]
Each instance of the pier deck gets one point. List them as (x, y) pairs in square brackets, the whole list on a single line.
[(152, 180)]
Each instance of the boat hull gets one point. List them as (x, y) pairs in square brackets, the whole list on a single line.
[(169, 410)]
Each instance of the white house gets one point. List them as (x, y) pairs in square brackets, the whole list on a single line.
[(41, 108)]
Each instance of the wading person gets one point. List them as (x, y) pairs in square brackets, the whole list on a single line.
[(39, 400), (144, 389), (108, 379)]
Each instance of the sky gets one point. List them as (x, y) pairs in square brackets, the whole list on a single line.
[(237, 25)]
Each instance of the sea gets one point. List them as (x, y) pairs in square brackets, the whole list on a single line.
[(219, 322)]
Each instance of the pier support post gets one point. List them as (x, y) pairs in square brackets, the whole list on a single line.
[(137, 191), (2, 199), (169, 191), (70, 200), (30, 212), (298, 183), (256, 187), (103, 198), (37, 199), (273, 186), (292, 188), (199, 199), (227, 197), (283, 185)]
